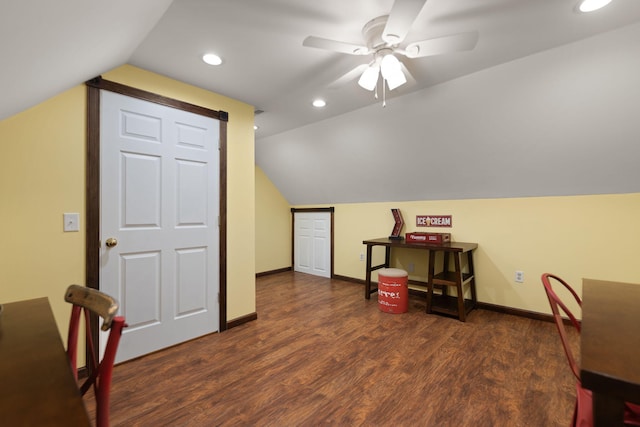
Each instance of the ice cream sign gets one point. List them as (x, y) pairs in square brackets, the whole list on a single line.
[(433, 220)]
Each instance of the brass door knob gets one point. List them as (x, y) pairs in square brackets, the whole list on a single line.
[(111, 242)]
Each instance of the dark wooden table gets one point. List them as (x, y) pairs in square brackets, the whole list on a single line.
[(610, 347), (37, 387), (443, 303)]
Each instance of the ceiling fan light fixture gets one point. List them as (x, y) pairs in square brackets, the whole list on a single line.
[(369, 79), (591, 5), (392, 71), (396, 80)]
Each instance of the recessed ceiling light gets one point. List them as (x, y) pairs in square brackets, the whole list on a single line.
[(256, 127), (319, 103), (212, 59), (591, 5)]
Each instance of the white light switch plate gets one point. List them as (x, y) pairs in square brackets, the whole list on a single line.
[(71, 222)]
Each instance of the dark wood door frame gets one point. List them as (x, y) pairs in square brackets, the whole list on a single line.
[(331, 210), (93, 180)]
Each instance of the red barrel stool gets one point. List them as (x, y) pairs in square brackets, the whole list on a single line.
[(393, 290)]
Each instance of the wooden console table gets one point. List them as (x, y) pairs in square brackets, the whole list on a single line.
[(610, 347), (445, 304), (38, 387)]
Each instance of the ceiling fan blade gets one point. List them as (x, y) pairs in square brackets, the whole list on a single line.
[(401, 18), (407, 74), (440, 45), (335, 46), (348, 77)]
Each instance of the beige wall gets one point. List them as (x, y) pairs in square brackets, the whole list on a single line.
[(273, 226), (42, 157), (574, 237), (570, 236), (42, 175)]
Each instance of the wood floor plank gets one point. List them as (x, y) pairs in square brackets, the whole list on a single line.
[(319, 353)]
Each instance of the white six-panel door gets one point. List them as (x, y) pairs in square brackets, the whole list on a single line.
[(159, 185), (312, 243)]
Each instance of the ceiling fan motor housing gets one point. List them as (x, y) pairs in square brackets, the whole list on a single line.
[(372, 33)]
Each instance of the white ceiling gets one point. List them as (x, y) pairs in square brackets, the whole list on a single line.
[(267, 66), (47, 47), (558, 123), (461, 110)]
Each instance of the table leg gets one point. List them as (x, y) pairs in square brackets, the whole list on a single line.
[(445, 267), (607, 410), (430, 274), (367, 283), (472, 282), (462, 315)]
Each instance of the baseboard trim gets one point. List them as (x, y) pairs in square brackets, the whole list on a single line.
[(481, 305), (242, 320), (348, 279), (83, 372), (279, 270), (515, 311)]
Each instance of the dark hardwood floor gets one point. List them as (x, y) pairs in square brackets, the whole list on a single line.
[(320, 353)]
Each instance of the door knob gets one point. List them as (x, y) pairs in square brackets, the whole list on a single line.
[(111, 242)]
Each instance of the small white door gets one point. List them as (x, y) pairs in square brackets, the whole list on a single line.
[(312, 243), (159, 189)]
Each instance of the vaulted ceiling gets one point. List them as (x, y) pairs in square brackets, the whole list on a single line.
[(48, 47)]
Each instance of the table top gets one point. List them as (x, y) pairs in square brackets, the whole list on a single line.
[(448, 246), (36, 382), (610, 338)]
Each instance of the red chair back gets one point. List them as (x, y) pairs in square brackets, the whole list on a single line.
[(559, 309), (93, 304), (583, 411)]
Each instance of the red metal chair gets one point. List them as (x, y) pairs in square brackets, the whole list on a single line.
[(93, 302), (583, 410)]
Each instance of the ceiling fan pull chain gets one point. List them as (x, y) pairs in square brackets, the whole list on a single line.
[(384, 94)]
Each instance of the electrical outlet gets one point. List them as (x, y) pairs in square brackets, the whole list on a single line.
[(519, 276), (361, 257), (410, 268)]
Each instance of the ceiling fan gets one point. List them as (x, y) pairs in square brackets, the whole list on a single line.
[(384, 36)]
